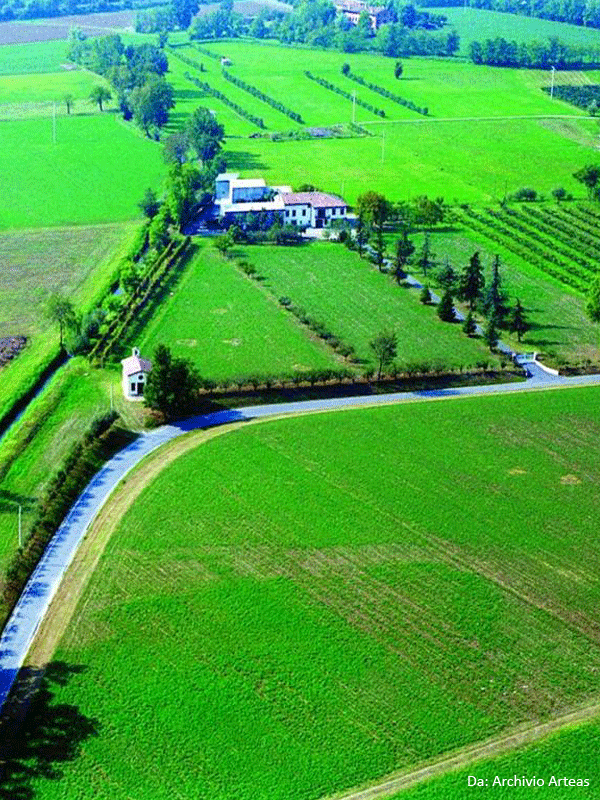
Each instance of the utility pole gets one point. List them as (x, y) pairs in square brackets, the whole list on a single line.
[(552, 85), (382, 144), (354, 106), (20, 529)]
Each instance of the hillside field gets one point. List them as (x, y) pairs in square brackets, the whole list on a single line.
[(309, 604), (229, 326)]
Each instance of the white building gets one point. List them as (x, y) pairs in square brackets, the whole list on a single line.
[(134, 375), (235, 197), (313, 209)]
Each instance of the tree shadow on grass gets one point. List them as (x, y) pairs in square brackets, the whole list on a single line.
[(37, 734), (10, 501), (241, 160)]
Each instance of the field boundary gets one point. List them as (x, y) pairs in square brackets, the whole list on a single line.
[(472, 753)]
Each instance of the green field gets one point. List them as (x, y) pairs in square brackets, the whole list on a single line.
[(96, 172), (339, 596), (356, 303), (480, 24), (76, 261), (81, 262), (460, 161), (33, 57), (229, 326), (571, 753)]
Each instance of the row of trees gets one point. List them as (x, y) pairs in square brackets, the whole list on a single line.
[(499, 52), (578, 12)]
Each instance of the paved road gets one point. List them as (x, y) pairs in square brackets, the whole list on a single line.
[(41, 587)]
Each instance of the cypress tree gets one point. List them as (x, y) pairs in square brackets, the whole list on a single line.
[(425, 296), (472, 281), (445, 309), (494, 302), (469, 326), (518, 324), (490, 334)]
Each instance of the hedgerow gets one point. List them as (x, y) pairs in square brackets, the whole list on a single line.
[(220, 96), (81, 464), (395, 98), (327, 85), (262, 96)]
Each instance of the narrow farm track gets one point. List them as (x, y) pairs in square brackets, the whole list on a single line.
[(471, 755)]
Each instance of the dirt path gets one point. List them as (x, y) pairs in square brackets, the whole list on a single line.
[(470, 755)]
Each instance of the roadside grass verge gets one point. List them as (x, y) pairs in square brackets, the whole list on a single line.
[(322, 624)]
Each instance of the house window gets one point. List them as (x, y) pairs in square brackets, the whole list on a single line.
[(294, 212), (133, 388)]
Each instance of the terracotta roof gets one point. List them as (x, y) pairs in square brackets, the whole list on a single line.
[(135, 364), (314, 199)]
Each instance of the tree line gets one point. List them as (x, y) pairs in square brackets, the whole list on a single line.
[(500, 52), (395, 98), (379, 112), (577, 12)]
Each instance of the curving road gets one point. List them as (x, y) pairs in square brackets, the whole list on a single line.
[(31, 607)]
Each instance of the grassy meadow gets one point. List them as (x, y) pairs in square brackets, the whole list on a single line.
[(340, 595), (229, 326), (32, 57), (96, 172), (460, 161), (356, 302), (35, 447)]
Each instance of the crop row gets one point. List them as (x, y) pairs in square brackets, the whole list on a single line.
[(566, 230), (154, 277), (206, 52), (262, 96), (562, 231), (521, 247), (585, 213), (327, 85), (580, 96), (220, 96), (510, 218), (580, 222), (389, 95)]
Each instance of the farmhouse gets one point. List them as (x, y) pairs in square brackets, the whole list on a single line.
[(352, 9), (313, 209), (134, 375), (235, 198)]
